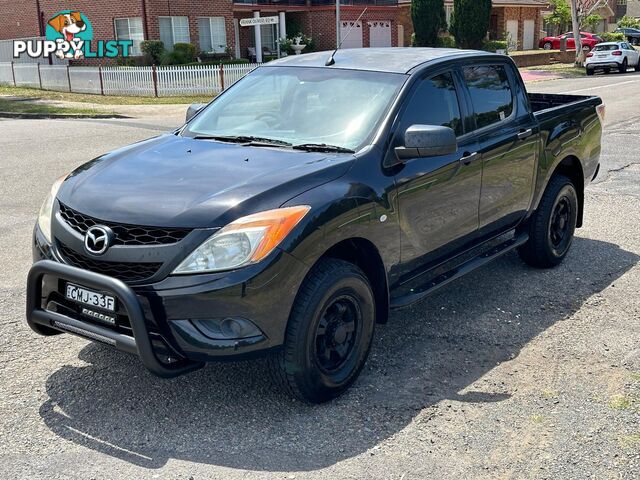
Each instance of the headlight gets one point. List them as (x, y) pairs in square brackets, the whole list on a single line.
[(44, 217), (247, 240)]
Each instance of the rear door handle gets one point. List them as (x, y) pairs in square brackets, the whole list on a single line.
[(467, 158), (525, 133)]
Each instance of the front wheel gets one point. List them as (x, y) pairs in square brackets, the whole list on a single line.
[(329, 333), (553, 224), (547, 46)]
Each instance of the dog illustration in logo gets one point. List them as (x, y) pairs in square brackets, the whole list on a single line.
[(68, 25)]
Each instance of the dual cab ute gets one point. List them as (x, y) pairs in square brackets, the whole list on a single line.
[(289, 215)]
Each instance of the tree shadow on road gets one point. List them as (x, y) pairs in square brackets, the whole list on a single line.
[(229, 414)]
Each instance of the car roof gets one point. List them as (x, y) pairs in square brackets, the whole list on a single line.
[(388, 59), (611, 43)]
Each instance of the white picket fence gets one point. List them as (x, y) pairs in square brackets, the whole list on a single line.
[(141, 81)]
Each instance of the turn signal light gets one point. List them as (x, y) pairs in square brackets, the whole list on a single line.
[(617, 53)]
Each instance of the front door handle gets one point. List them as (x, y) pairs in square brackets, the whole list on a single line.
[(525, 134), (467, 158)]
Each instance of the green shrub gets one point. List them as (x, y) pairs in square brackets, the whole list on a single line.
[(154, 49), (612, 37), (428, 19), (187, 50), (446, 41), (628, 22), (494, 45), (470, 22)]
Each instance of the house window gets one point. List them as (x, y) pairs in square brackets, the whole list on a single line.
[(174, 30), (130, 29), (212, 34)]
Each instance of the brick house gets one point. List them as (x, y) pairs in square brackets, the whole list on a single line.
[(632, 8), (522, 19), (213, 25)]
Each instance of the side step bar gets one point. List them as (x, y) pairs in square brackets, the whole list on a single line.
[(422, 290)]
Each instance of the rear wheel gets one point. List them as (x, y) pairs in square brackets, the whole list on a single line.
[(634, 41), (623, 66), (553, 224), (329, 333), (590, 71)]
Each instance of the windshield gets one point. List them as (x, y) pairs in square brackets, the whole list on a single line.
[(301, 106)]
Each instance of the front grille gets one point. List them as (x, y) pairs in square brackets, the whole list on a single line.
[(124, 234), (127, 272)]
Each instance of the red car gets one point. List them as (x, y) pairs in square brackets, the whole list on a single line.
[(588, 40)]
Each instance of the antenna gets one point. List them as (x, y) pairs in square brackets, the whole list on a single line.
[(330, 61)]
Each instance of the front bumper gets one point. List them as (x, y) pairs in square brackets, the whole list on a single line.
[(160, 322)]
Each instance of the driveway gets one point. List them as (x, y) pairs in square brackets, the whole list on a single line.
[(509, 372)]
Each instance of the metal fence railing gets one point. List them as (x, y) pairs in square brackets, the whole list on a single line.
[(142, 81)]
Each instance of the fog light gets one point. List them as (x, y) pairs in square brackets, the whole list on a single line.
[(229, 328)]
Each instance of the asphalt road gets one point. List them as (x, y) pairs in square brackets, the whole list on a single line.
[(508, 373)]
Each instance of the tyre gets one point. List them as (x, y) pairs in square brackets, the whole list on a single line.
[(623, 66), (637, 67), (329, 333), (634, 41), (552, 226), (547, 46), (590, 71)]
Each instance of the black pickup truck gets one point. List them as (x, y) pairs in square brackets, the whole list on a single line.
[(290, 214)]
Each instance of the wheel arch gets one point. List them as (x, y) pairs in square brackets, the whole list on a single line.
[(364, 254), (571, 167)]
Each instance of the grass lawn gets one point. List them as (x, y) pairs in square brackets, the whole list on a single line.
[(21, 106), (567, 70), (104, 100)]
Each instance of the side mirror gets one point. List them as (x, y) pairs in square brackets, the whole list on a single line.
[(193, 109), (427, 141)]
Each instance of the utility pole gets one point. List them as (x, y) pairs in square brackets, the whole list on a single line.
[(337, 23), (576, 32)]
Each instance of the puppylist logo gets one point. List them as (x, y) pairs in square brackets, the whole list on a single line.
[(69, 35)]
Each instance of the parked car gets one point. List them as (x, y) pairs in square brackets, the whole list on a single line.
[(618, 55), (632, 34), (291, 213), (588, 40)]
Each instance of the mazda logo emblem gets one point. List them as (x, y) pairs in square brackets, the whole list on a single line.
[(98, 239)]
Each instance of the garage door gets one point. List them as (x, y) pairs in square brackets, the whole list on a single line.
[(527, 41), (380, 34), (354, 39)]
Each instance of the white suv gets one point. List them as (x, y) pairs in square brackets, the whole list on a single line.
[(608, 55)]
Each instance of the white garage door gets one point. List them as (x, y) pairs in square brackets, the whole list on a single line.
[(354, 39), (512, 33), (380, 33), (527, 41)]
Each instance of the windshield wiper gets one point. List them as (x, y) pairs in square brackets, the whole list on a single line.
[(245, 139), (322, 147)]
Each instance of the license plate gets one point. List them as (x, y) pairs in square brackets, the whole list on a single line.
[(89, 297), (602, 56)]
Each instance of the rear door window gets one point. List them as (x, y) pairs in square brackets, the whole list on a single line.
[(490, 93)]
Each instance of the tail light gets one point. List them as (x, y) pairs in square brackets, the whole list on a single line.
[(589, 55), (617, 53), (600, 110)]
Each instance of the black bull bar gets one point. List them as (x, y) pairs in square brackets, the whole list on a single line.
[(139, 344)]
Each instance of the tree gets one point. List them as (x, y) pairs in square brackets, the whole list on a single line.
[(470, 22), (428, 21), (560, 16), (628, 22), (575, 21)]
